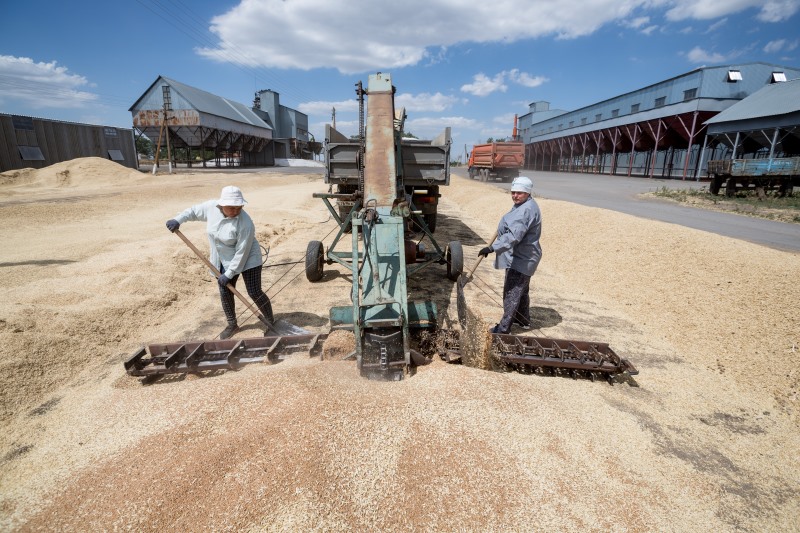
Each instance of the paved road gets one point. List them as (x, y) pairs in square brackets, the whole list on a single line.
[(620, 194)]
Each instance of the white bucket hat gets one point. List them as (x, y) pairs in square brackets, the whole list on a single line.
[(231, 196), (522, 184)]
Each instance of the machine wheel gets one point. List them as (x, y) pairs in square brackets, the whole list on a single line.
[(314, 261), (471, 173), (430, 220), (454, 255), (714, 186), (730, 187)]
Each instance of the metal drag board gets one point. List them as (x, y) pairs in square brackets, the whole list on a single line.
[(229, 354)]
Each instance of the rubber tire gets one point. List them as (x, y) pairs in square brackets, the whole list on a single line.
[(314, 261), (454, 255), (430, 220), (730, 187), (714, 186)]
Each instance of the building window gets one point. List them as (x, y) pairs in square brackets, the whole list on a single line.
[(614, 113), (690, 94), (734, 76), (634, 108), (30, 153), (22, 123), (583, 121), (561, 126), (661, 101), (598, 117), (571, 123), (778, 76), (116, 155)]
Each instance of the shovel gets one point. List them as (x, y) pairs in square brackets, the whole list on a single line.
[(461, 301), (280, 327)]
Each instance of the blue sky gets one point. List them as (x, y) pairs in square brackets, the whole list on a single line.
[(467, 65)]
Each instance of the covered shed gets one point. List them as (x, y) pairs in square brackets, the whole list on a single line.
[(765, 124), (199, 121)]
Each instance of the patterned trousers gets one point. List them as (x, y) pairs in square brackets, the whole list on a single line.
[(516, 300), (252, 280)]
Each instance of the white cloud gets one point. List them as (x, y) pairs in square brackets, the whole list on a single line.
[(309, 34), (698, 55), (637, 22), (775, 46), (482, 85), (425, 102), (777, 11), (650, 29), (323, 107), (779, 45), (525, 79), (42, 85), (769, 11), (429, 127), (717, 25)]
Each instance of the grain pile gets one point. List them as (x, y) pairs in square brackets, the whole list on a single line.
[(707, 441)]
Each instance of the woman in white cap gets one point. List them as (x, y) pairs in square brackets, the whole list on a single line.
[(234, 250), (518, 251)]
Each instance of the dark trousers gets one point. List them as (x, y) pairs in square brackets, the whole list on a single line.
[(516, 300), (252, 280)]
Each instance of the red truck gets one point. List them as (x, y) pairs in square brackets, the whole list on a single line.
[(497, 160)]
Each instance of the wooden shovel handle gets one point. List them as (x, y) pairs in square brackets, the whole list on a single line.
[(480, 257), (217, 273)]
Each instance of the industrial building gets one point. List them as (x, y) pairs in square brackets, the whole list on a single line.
[(28, 142), (196, 120), (660, 130)]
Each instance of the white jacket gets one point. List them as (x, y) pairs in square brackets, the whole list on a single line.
[(232, 240)]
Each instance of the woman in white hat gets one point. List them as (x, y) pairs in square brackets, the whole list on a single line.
[(518, 251), (234, 250)]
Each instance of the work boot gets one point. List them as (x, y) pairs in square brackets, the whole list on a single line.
[(229, 332), (523, 325)]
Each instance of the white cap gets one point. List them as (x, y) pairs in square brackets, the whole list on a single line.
[(231, 196), (522, 184)]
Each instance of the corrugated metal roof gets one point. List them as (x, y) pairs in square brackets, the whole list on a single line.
[(212, 104), (208, 103), (776, 99)]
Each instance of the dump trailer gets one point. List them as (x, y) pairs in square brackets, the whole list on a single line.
[(781, 173), (424, 166), (497, 160)]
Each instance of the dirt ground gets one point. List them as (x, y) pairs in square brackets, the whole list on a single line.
[(705, 439)]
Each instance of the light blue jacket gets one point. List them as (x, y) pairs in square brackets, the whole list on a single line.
[(517, 244), (232, 240)]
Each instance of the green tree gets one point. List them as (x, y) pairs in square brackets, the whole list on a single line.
[(144, 146)]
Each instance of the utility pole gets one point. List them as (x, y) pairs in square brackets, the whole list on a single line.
[(333, 117)]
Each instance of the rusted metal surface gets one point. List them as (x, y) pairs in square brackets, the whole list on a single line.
[(380, 170), (229, 354), (540, 355)]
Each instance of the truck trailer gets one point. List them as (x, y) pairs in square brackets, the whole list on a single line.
[(496, 161), (781, 173)]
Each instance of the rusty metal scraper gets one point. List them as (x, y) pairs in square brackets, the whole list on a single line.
[(280, 327), (461, 300)]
